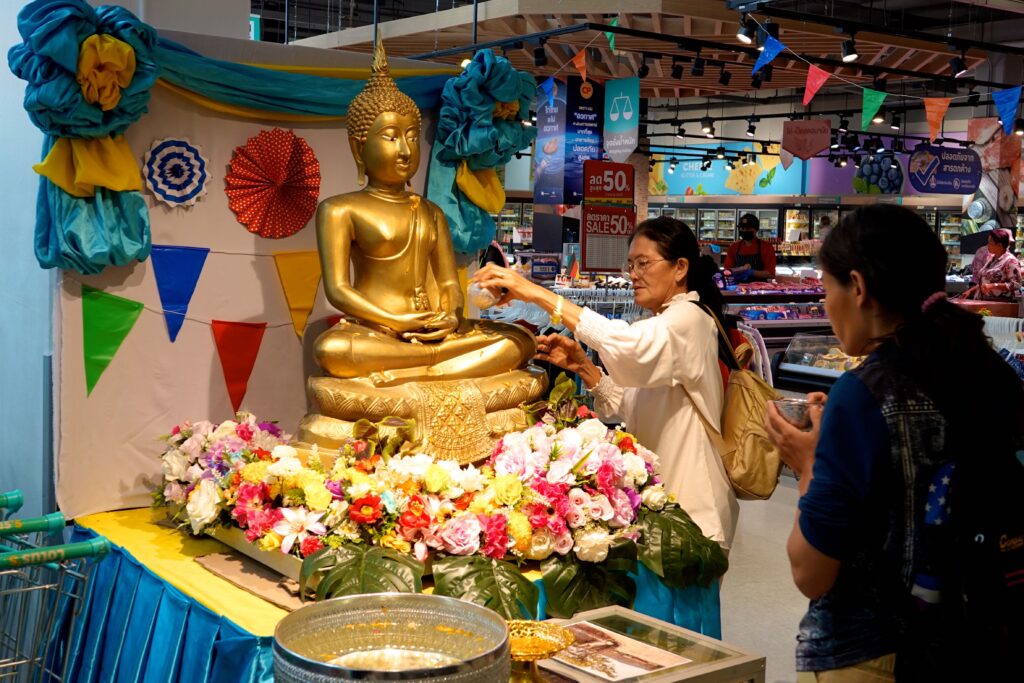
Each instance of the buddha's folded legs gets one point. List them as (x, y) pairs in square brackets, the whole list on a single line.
[(348, 350)]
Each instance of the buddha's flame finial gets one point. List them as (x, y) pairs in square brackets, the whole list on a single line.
[(379, 95)]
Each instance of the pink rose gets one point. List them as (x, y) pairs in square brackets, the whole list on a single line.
[(576, 517), (461, 535), (601, 508), (564, 543), (623, 508), (579, 498)]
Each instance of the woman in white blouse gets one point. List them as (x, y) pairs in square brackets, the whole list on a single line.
[(650, 362)]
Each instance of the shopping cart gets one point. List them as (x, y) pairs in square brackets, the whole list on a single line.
[(41, 589)]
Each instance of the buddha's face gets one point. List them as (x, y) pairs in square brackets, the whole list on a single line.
[(391, 153)]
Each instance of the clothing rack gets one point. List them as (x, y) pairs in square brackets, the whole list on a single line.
[(1006, 333), (614, 303)]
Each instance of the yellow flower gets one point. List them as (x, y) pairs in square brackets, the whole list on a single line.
[(520, 530), (395, 543), (356, 477), (317, 497), (436, 479), (255, 472), (507, 489), (483, 504), (270, 541), (105, 66)]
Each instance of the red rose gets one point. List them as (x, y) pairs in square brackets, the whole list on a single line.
[(365, 510), (415, 515), (626, 445), (262, 454), (463, 501), (310, 544)]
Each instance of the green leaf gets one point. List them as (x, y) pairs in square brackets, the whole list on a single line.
[(770, 177), (674, 548), (495, 584), (563, 390), (353, 569), (364, 429), (874, 189), (860, 186), (313, 564), (573, 586)]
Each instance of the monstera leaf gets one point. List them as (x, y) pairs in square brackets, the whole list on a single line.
[(573, 586), (674, 548), (353, 569), (488, 582)]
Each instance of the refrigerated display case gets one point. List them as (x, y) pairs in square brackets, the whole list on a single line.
[(811, 362), (815, 220), (768, 219), (508, 221), (707, 222), (778, 324), (797, 225), (726, 225), (950, 230)]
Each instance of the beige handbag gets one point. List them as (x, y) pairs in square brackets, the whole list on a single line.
[(751, 460)]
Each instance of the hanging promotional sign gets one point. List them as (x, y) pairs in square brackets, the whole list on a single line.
[(604, 237), (944, 170), (549, 150), (804, 139), (621, 117), (604, 181), (584, 104)]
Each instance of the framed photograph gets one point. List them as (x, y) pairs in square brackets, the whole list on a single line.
[(612, 656)]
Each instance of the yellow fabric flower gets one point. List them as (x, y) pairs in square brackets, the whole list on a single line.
[(255, 472), (506, 110), (436, 479), (507, 489), (270, 541), (395, 543), (520, 530), (105, 66)]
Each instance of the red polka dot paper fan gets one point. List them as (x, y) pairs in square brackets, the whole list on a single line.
[(273, 183)]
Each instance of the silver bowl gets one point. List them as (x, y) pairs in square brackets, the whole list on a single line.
[(392, 637)]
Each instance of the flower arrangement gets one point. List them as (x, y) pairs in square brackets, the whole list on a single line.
[(583, 500)]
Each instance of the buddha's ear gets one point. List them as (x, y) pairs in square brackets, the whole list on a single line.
[(357, 153)]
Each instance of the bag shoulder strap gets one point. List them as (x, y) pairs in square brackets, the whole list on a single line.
[(725, 350)]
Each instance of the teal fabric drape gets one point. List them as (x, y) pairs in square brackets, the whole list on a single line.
[(279, 91), (467, 130), (136, 627), (695, 607), (87, 234)]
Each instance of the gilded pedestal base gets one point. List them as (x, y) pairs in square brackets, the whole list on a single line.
[(455, 420)]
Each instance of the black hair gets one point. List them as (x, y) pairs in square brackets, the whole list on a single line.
[(675, 240), (749, 220), (943, 348)]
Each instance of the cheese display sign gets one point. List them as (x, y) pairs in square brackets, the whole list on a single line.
[(765, 175)]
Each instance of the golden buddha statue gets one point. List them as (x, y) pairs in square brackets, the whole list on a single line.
[(405, 348)]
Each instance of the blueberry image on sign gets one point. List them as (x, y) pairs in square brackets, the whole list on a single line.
[(879, 174)]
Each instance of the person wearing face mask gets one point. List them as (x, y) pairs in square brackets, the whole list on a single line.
[(750, 254)]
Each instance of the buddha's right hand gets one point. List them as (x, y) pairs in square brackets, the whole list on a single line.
[(411, 322)]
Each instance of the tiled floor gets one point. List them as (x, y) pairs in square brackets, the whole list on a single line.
[(761, 607)]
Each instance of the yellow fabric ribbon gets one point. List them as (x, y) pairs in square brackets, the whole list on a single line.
[(506, 110), (78, 165), (105, 65), (482, 187)]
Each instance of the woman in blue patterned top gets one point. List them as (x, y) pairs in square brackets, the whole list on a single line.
[(871, 545)]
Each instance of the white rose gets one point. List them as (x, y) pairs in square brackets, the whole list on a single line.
[(285, 467), (224, 430), (542, 544), (203, 505), (469, 479), (175, 465), (592, 430), (202, 428), (560, 472), (284, 452), (636, 470), (654, 497), (592, 545), (193, 446)]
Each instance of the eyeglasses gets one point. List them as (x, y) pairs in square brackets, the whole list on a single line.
[(640, 266)]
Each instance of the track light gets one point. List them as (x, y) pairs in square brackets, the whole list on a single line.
[(540, 55), (751, 129), (677, 70), (897, 144), (842, 161), (879, 116), (767, 72), (895, 123), (707, 124), (731, 165), (844, 124), (856, 160), (710, 134), (835, 142), (724, 77), (958, 66), (747, 30), (681, 133), (973, 99), (643, 70), (769, 28), (850, 53), (672, 165), (755, 82), (697, 70), (1018, 127), (720, 152), (879, 145)]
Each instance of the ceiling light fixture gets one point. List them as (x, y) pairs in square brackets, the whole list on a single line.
[(697, 70), (677, 70), (755, 82), (767, 72), (720, 152), (844, 124), (707, 124), (681, 133), (835, 142), (1018, 127), (724, 76), (747, 30), (842, 161), (540, 55), (770, 28), (896, 121), (710, 134), (850, 53), (958, 66), (879, 116), (751, 128), (643, 70)]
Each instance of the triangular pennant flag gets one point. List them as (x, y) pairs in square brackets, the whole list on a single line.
[(548, 86), (935, 110), (177, 270), (611, 36), (237, 345), (772, 48), (299, 272), (580, 62), (815, 79), (106, 321), (785, 158), (1006, 104), (871, 103)]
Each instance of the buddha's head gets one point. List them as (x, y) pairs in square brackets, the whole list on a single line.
[(384, 128)]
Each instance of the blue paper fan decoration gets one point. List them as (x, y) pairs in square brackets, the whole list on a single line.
[(176, 172)]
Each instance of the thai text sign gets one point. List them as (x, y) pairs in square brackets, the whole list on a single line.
[(604, 237), (944, 170)]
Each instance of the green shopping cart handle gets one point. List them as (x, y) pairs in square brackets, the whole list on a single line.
[(12, 500), (94, 547), (47, 524)]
